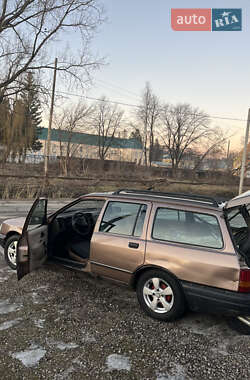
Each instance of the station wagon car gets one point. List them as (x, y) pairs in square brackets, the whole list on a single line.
[(177, 251)]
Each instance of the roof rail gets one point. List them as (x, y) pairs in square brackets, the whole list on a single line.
[(188, 197)]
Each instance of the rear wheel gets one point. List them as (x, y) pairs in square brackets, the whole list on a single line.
[(160, 295), (10, 248)]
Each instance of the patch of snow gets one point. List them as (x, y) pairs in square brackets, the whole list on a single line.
[(177, 372), (201, 324), (6, 307), (76, 364), (88, 338), (30, 357), (7, 324), (42, 287), (3, 279), (61, 345), (5, 273), (65, 374), (6, 270), (36, 299), (119, 362), (39, 323), (65, 346)]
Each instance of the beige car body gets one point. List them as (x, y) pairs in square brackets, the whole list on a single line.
[(113, 258), (124, 258)]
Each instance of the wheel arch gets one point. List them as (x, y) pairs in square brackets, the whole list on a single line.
[(11, 233), (145, 268)]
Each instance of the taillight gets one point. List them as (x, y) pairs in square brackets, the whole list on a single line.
[(244, 285)]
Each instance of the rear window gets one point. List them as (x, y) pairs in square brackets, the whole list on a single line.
[(187, 227)]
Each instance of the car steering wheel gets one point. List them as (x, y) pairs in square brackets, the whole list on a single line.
[(82, 223)]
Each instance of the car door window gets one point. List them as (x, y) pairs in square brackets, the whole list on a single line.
[(38, 216), (123, 218), (140, 221), (191, 228), (92, 206), (87, 205)]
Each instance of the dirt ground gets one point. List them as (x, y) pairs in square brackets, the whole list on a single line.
[(60, 324)]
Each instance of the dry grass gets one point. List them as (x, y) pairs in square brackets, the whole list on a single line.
[(65, 188), (17, 181)]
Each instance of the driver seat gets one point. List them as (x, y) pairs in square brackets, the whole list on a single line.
[(80, 249)]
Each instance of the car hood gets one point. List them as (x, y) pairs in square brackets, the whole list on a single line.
[(240, 200), (12, 225)]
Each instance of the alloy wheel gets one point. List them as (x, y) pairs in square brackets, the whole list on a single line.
[(11, 252), (158, 295)]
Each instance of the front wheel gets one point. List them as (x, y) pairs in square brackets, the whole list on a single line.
[(10, 251), (160, 295)]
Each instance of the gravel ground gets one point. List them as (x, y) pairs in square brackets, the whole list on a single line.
[(60, 324)]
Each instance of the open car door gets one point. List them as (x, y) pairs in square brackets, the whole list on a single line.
[(32, 245)]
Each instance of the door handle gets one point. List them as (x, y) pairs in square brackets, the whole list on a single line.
[(42, 234), (133, 245)]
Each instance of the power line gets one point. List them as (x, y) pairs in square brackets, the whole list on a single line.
[(110, 84), (138, 106), (100, 99), (226, 118)]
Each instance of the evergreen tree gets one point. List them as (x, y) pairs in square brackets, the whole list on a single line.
[(30, 127), (136, 135)]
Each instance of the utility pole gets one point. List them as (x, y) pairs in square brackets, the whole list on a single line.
[(49, 127), (228, 150), (243, 163)]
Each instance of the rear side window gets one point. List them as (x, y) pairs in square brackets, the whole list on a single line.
[(123, 218), (187, 227)]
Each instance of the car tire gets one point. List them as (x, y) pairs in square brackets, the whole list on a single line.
[(160, 295), (10, 251), (238, 325)]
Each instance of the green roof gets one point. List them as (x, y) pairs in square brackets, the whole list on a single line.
[(88, 139)]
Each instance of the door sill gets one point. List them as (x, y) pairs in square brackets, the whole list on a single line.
[(68, 263)]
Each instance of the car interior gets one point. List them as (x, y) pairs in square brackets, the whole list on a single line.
[(239, 222), (71, 231)]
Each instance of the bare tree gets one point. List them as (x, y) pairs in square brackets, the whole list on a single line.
[(106, 122), (72, 119), (213, 145), (183, 127), (148, 114), (29, 30)]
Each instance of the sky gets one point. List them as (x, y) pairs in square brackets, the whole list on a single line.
[(209, 70)]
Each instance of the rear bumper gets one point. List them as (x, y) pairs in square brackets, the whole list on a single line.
[(214, 300), (2, 240)]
